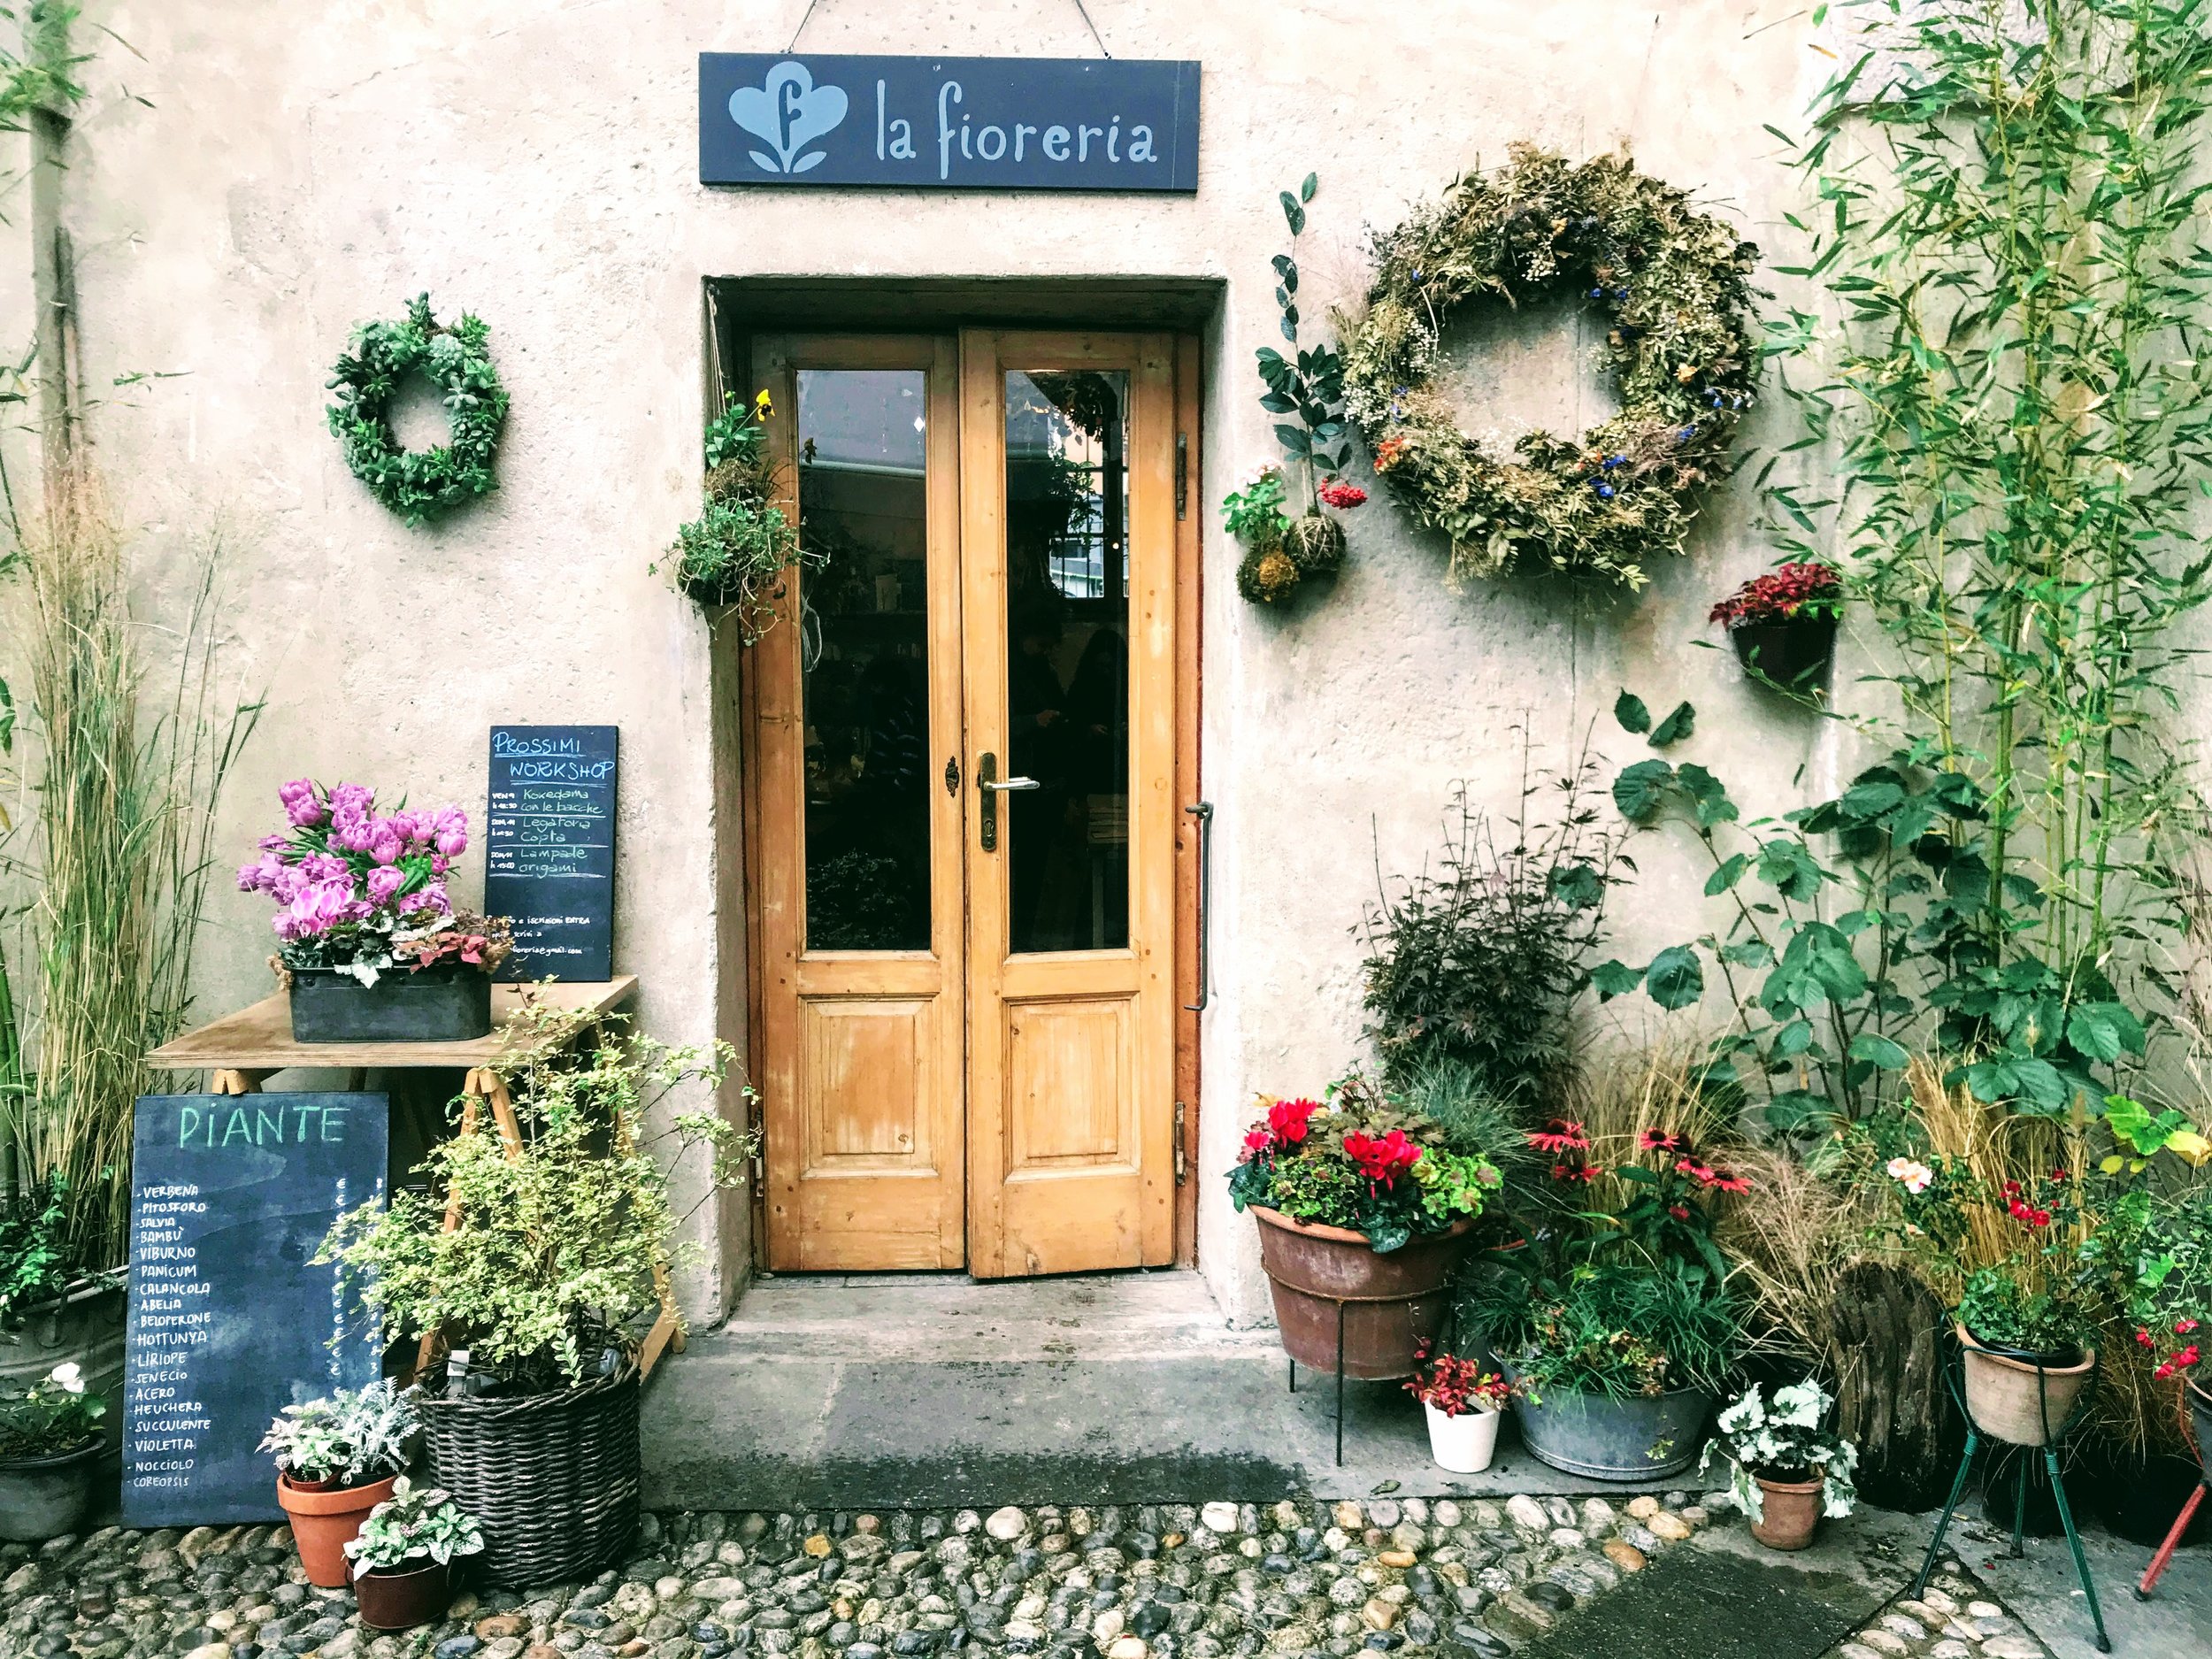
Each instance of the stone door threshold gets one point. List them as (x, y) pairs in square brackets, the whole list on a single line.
[(905, 1390)]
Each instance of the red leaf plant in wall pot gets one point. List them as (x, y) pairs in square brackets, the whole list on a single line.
[(1362, 1208), (1462, 1404), (1783, 624)]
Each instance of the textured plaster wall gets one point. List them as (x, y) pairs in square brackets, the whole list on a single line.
[(306, 163)]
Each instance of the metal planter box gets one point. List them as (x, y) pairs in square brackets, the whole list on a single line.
[(435, 1005)]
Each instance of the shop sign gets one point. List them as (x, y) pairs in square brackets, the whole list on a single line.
[(949, 123), (548, 848)]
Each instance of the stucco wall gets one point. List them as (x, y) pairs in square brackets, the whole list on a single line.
[(306, 163)]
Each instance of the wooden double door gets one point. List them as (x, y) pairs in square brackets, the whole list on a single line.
[(965, 819)]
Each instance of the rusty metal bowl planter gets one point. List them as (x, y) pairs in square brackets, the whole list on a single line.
[(1336, 1297)]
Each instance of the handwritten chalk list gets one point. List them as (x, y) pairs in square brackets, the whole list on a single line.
[(549, 848), (230, 1320)]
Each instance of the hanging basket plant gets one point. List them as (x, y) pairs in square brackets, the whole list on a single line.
[(1783, 624), (735, 552), (1283, 552), (419, 485), (1673, 286)]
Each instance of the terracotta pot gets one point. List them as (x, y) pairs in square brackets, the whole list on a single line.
[(2022, 1399), (1789, 1513), (401, 1601), (1392, 1304), (326, 1519)]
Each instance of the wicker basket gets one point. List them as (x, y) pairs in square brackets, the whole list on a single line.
[(553, 1478)]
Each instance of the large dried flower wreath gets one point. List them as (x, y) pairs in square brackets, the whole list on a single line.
[(1674, 284)]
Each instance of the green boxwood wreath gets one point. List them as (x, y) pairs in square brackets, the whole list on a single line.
[(419, 484), (1674, 283)]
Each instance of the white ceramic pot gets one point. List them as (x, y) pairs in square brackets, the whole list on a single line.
[(1464, 1444)]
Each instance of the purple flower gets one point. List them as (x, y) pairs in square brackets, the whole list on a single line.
[(252, 877), (383, 842), (450, 831), (317, 908), (323, 867), (302, 805), (384, 883), (273, 843), (429, 896)]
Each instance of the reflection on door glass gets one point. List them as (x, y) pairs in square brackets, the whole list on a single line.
[(1067, 667), (863, 654)]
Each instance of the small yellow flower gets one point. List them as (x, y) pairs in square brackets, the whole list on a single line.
[(763, 403)]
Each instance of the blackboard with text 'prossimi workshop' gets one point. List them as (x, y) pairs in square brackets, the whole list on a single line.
[(549, 848), (230, 1321)]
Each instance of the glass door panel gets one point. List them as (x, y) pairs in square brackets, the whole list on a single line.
[(864, 657), (1067, 631)]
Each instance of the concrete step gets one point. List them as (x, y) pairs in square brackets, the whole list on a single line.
[(905, 1390)]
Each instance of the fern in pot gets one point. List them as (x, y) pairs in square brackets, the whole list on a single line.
[(337, 1458), (539, 1266)]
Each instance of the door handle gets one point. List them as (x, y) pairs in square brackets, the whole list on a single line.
[(991, 786), (1204, 813)]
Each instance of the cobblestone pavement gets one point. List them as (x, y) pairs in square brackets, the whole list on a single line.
[(1473, 1580)]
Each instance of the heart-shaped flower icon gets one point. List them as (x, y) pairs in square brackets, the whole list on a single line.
[(789, 113)]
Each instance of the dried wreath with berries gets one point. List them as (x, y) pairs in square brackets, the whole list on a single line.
[(1675, 286)]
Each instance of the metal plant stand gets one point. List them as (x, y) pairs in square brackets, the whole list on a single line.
[(1953, 1373), (1340, 1383)]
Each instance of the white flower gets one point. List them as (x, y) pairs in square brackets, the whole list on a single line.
[(1915, 1177), (69, 1375)]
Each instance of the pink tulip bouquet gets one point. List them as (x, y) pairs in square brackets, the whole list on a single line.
[(363, 892)]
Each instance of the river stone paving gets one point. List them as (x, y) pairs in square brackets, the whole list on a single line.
[(1472, 1580)]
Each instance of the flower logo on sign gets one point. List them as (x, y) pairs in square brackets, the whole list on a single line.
[(789, 112)]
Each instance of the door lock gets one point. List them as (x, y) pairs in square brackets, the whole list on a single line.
[(991, 786)]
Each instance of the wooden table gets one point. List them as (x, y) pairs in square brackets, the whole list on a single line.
[(241, 1051)]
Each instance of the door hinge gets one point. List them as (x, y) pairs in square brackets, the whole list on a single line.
[(1182, 1165), (1182, 474)]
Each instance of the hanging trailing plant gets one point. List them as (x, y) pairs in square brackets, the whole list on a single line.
[(1283, 552), (1674, 287), (735, 552), (419, 485)]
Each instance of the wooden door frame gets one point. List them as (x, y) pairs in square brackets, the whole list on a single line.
[(1189, 689)]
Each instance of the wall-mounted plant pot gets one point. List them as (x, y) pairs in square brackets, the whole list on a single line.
[(1641, 1438), (2022, 1399), (324, 1519), (445, 1003), (1789, 1513), (1390, 1304), (45, 1497), (401, 1601), (1795, 652)]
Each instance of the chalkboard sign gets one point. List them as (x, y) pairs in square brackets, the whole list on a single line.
[(549, 848), (231, 1194)]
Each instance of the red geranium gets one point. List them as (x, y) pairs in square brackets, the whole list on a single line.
[(1337, 493), (1779, 595)]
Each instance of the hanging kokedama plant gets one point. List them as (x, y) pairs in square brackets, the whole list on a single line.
[(419, 484), (1674, 284), (1282, 552)]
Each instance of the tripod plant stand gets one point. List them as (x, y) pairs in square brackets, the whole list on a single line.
[(2197, 1417), (2048, 1442)]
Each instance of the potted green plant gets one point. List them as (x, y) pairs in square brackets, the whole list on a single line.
[(374, 951), (1789, 1467), (336, 1459), (1362, 1206), (54, 1309), (1613, 1317), (736, 551), (49, 1448), (1783, 624), (540, 1264), (403, 1555), (1462, 1404)]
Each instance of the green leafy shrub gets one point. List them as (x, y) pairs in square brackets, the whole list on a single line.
[(735, 552), (414, 1527), (56, 1414), (1481, 962), (351, 1436), (552, 1259)]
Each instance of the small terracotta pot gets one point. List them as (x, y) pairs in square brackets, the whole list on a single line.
[(401, 1601), (325, 1520), (2022, 1399), (1789, 1513), (1391, 1304)]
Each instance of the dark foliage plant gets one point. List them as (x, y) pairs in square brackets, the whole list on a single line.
[(1479, 961), (37, 1261)]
